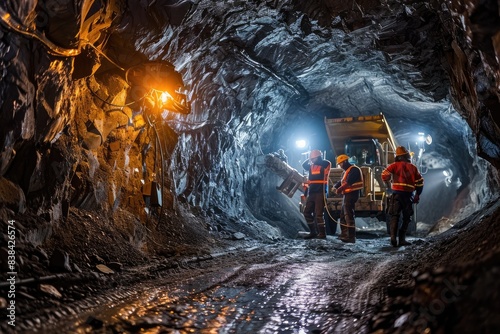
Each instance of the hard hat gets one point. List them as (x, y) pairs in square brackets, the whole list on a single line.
[(315, 154), (401, 150), (341, 158)]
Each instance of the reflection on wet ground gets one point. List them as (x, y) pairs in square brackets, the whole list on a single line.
[(294, 286)]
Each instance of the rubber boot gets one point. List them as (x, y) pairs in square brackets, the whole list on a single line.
[(394, 231), (312, 234), (351, 232), (352, 235), (321, 231), (344, 232), (402, 234)]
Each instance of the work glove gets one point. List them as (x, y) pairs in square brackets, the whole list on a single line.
[(416, 199), (340, 190)]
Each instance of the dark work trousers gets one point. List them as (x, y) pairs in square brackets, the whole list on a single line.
[(347, 212), (314, 208), (401, 203), (347, 225)]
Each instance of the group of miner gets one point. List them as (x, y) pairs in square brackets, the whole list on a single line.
[(404, 185)]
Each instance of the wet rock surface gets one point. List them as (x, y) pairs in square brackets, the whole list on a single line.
[(82, 147), (444, 283), (285, 286), (80, 134)]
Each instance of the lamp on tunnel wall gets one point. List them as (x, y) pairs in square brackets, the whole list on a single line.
[(157, 86), (300, 143), (448, 175), (422, 140), (153, 88)]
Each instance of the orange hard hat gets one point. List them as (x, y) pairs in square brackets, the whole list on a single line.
[(341, 158), (401, 150), (315, 154)]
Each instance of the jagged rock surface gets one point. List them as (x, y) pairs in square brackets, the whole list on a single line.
[(75, 137)]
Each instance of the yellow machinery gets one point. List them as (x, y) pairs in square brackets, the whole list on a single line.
[(370, 144)]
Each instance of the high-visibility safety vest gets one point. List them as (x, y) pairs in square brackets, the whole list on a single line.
[(358, 185), (405, 177), (318, 176)]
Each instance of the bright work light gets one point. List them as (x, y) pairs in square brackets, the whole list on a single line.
[(301, 143), (160, 82)]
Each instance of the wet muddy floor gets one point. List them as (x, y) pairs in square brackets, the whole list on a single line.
[(292, 286)]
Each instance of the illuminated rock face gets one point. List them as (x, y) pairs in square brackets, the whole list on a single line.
[(75, 134)]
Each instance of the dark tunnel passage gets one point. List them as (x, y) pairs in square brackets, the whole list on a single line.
[(138, 132)]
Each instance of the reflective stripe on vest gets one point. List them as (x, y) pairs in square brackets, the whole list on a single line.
[(403, 187), (405, 176), (316, 170), (356, 185)]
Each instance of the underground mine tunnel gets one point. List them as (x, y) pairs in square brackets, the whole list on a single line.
[(134, 133)]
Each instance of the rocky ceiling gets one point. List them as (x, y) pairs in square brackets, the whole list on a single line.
[(79, 127)]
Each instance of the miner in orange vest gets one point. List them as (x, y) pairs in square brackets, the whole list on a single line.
[(319, 170), (406, 179), (349, 186)]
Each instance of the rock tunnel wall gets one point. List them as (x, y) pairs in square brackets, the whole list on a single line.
[(69, 138)]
